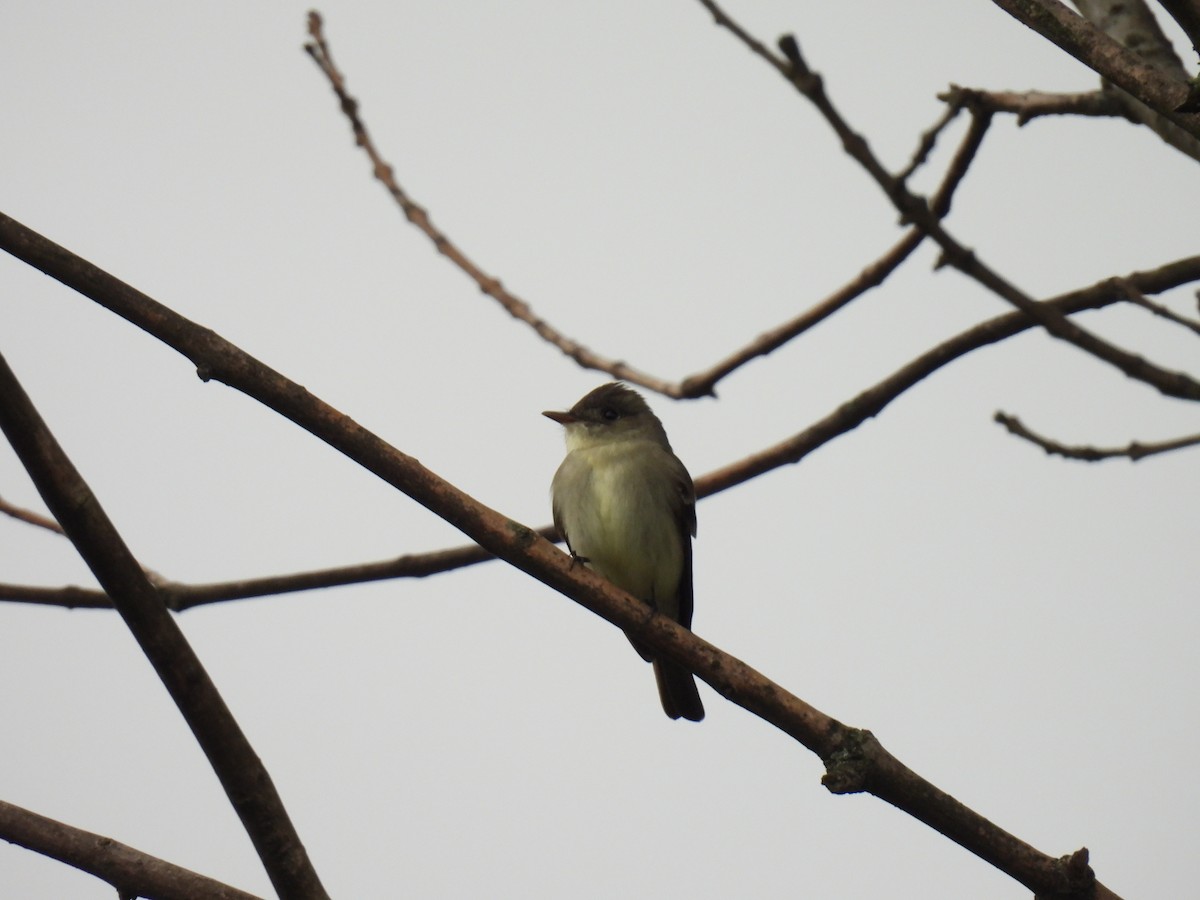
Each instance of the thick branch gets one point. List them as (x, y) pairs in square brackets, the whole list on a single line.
[(242, 775), (1132, 25), (132, 872), (1145, 81), (854, 759), (219, 360), (180, 597)]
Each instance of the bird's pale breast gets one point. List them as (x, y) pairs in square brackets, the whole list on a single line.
[(626, 524)]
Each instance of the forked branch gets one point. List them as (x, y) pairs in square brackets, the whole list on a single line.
[(854, 759)]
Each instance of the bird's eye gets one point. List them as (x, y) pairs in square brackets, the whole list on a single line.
[(609, 414)]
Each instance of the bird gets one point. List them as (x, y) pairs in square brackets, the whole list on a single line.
[(626, 507)]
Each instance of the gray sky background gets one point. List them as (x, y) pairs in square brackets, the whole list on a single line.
[(1016, 628)]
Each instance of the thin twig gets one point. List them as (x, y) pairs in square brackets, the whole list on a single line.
[(319, 50), (916, 210), (27, 515), (875, 399), (1136, 297), (928, 141), (704, 383), (1134, 451), (981, 120), (700, 384)]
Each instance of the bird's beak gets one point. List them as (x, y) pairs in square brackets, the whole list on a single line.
[(562, 418)]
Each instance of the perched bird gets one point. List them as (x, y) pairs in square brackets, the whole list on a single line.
[(626, 507)]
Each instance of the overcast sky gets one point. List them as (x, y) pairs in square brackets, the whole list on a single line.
[(1017, 628)]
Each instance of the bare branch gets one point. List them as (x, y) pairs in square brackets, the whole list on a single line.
[(1131, 24), (70, 597), (846, 418), (700, 384), (704, 383), (179, 597), (981, 120), (842, 420), (1029, 105), (132, 872), (872, 401), (929, 139), (917, 210), (1134, 451), (318, 49), (26, 515), (854, 759), (1147, 82), (1168, 383), (241, 773), (1137, 298)]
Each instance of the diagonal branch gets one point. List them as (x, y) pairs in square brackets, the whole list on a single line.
[(842, 420), (875, 399), (1131, 24), (700, 384), (1148, 83), (918, 211), (242, 775), (27, 515), (319, 50), (854, 759), (1137, 298), (704, 383), (929, 139), (132, 872)]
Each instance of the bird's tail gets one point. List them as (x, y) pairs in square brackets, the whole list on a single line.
[(677, 691)]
